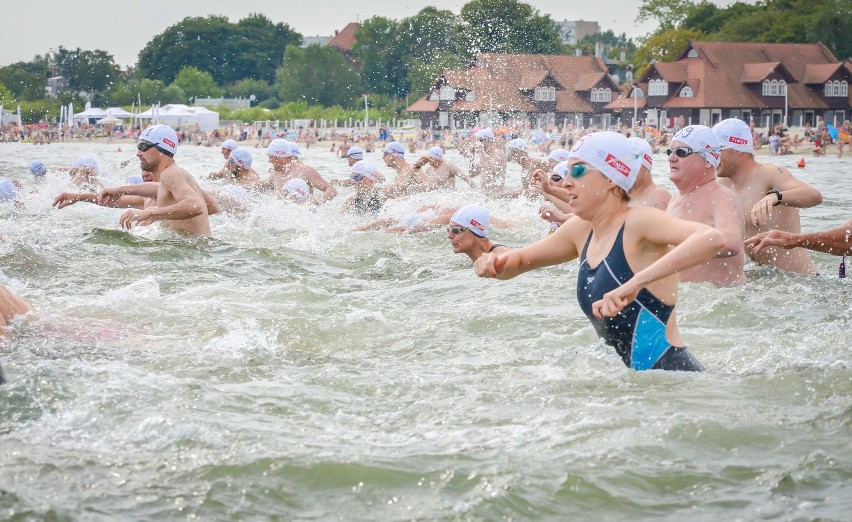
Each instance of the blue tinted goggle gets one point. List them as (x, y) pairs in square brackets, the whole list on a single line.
[(576, 171)]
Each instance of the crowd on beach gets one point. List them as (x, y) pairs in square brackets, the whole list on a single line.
[(635, 241)]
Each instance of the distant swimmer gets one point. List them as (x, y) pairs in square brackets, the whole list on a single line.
[(84, 173), (228, 146), (181, 203), (366, 197), (645, 192), (286, 166), (518, 151), (441, 173), (468, 233), (489, 162), (769, 196), (693, 159), (353, 156), (37, 169), (239, 169), (629, 257), (408, 181)]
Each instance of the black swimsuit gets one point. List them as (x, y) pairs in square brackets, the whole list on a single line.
[(638, 332)]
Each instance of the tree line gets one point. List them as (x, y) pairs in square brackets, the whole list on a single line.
[(391, 59)]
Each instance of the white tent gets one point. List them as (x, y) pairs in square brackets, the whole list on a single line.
[(177, 114), (118, 112), (207, 119), (93, 112), (109, 119)]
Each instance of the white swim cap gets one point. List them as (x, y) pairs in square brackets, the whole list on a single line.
[(395, 148), (134, 180), (236, 191), (230, 145), (295, 148), (297, 187), (163, 136), (363, 169), (356, 153), (241, 157), (559, 155), (734, 133), (436, 152), (280, 149), (474, 217), (8, 191), (517, 144), (485, 135), (37, 168), (612, 154), (643, 149), (86, 161), (701, 139)]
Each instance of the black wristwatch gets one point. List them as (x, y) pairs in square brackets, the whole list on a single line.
[(778, 195)]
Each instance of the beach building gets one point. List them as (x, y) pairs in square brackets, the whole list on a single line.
[(762, 82), (517, 89)]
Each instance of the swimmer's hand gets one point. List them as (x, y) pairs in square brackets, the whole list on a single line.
[(67, 199), (539, 181), (109, 197), (762, 210), (552, 214), (490, 265), (140, 217), (771, 238), (615, 301)]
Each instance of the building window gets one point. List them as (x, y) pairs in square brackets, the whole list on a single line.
[(658, 88), (448, 93), (692, 54), (637, 93), (837, 88), (470, 96), (686, 92), (602, 95), (552, 92), (766, 87), (538, 94), (434, 97), (773, 88), (776, 88), (782, 88)]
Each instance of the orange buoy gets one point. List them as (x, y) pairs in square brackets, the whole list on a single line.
[(801, 163)]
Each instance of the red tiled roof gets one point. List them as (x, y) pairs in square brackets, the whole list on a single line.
[(626, 102), (423, 105), (345, 39), (757, 72), (820, 73), (720, 73), (588, 81)]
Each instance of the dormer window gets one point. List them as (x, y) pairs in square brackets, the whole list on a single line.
[(470, 96), (544, 94), (434, 97), (448, 93), (774, 88), (836, 88), (637, 93), (601, 95), (692, 54), (658, 88), (686, 92)]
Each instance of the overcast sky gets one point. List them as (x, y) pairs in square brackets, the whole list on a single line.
[(122, 28)]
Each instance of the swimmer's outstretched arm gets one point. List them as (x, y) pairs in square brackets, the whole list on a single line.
[(836, 241), (146, 190), (559, 247)]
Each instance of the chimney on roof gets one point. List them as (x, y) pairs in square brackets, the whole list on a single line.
[(578, 52), (335, 32)]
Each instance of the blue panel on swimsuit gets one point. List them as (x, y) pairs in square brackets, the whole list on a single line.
[(649, 341)]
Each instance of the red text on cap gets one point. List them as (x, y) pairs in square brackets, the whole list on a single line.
[(618, 165), (738, 141), (168, 142)]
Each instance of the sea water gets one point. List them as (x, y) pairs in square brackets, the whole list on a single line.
[(294, 369)]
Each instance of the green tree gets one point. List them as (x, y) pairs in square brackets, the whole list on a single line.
[(375, 47), (317, 75), (251, 48), (26, 80), (91, 71), (508, 26), (668, 13), (194, 82), (248, 87), (6, 96), (710, 18), (663, 46)]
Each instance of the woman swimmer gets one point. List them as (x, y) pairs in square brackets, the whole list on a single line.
[(629, 257)]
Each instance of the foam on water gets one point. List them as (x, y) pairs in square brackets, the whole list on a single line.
[(293, 368)]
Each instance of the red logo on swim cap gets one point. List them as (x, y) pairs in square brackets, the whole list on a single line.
[(738, 141), (476, 224), (649, 159), (618, 165), (168, 142), (714, 154)]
